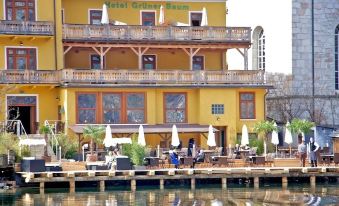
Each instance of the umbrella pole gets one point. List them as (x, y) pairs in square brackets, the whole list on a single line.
[(290, 151), (276, 150)]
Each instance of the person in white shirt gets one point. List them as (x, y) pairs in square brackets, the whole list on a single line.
[(313, 148)]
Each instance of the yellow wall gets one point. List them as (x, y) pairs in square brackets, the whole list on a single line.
[(76, 11), (45, 50), (125, 58)]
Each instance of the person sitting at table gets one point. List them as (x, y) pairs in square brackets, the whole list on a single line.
[(111, 160), (200, 156), (174, 158), (237, 151)]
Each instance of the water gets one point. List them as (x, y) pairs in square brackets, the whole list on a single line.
[(203, 195)]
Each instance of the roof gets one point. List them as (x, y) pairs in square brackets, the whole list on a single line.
[(148, 129)]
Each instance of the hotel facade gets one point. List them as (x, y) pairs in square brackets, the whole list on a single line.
[(63, 66)]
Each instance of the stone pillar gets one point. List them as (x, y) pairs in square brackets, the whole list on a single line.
[(162, 181), (312, 180), (256, 182), (224, 183), (133, 185), (42, 185), (72, 186), (284, 182), (192, 183), (102, 185)]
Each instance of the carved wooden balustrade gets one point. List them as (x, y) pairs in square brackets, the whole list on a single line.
[(156, 33), (27, 27), (113, 76)]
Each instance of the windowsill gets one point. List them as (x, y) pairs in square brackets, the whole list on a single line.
[(248, 119)]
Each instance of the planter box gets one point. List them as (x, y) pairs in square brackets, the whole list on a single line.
[(123, 163), (288, 162), (139, 167), (33, 166)]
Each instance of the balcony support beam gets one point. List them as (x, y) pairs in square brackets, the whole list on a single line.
[(102, 54), (67, 50), (139, 52), (245, 56), (191, 53)]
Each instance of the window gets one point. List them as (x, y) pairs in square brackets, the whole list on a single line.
[(95, 61), (116, 108), (148, 18), (247, 105), (198, 62), (21, 58), (86, 111), (336, 58), (95, 16), (175, 107), (196, 18), (149, 62), (20, 10), (217, 109), (261, 50)]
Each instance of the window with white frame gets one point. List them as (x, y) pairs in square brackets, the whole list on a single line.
[(261, 50), (336, 58)]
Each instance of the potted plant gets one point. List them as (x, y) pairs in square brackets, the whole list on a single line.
[(96, 134), (46, 130), (68, 145), (135, 152), (263, 128)]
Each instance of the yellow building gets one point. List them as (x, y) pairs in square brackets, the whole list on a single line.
[(69, 66)]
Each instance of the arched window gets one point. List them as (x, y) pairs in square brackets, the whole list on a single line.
[(336, 57), (258, 49), (261, 50)]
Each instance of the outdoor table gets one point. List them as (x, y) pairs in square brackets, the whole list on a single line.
[(208, 154), (244, 153), (186, 161), (219, 160), (327, 158), (152, 161)]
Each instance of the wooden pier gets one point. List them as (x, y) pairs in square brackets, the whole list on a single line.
[(255, 173)]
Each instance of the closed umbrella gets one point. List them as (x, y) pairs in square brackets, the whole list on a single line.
[(211, 137), (204, 21), (275, 139), (104, 17), (288, 136), (175, 137), (108, 141), (244, 136), (141, 136), (161, 15)]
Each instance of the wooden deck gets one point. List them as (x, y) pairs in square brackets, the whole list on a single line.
[(178, 174)]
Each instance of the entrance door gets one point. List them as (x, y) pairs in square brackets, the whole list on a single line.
[(221, 138)]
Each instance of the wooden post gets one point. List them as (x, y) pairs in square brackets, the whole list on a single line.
[(312, 180), (162, 181), (42, 185), (192, 183), (284, 182), (133, 185), (256, 182), (224, 183), (72, 186), (102, 185)]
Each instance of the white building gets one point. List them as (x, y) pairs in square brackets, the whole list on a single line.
[(298, 37)]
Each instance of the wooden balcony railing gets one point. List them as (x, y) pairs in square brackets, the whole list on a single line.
[(133, 77), (27, 27), (156, 33)]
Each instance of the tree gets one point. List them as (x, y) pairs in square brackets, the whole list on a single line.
[(263, 128), (96, 134), (299, 126), (134, 151)]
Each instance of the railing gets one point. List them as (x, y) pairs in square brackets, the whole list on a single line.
[(133, 76), (161, 33), (27, 27), (16, 127), (54, 140), (29, 76)]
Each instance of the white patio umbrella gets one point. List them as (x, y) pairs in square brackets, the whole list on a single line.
[(244, 136), (141, 136), (204, 21), (104, 17), (211, 137), (108, 141), (161, 15), (275, 139), (288, 136), (175, 137)]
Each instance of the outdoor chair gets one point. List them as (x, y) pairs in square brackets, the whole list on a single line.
[(336, 159)]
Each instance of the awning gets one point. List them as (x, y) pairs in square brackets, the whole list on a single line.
[(148, 129)]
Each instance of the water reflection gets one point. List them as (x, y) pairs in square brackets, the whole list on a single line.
[(326, 195)]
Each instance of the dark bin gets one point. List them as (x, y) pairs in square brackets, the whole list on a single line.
[(123, 163), (33, 166)]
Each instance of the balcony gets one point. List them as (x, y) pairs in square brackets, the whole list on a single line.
[(124, 77), (106, 33), (27, 28)]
